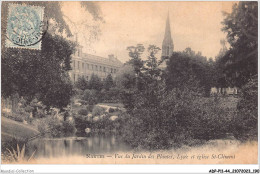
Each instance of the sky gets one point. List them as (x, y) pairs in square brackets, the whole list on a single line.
[(193, 24)]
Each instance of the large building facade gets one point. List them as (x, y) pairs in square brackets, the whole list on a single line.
[(84, 65)]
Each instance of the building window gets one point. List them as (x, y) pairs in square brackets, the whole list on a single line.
[(104, 69), (100, 68), (87, 66), (111, 70), (96, 67), (87, 78), (92, 68), (82, 66), (114, 70)]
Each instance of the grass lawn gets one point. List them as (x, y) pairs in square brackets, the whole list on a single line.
[(228, 102), (11, 128)]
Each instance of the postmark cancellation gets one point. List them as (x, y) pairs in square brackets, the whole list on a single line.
[(25, 26)]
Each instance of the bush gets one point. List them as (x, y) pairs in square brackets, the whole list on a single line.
[(111, 110), (211, 120), (82, 102), (83, 112), (246, 121), (55, 127), (90, 108), (81, 123), (97, 110), (112, 95), (166, 120), (11, 144), (81, 83), (102, 123), (68, 128), (20, 115), (90, 96)]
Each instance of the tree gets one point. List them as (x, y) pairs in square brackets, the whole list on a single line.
[(135, 53), (95, 83), (189, 70), (81, 83), (108, 82), (240, 64), (218, 70), (246, 121), (41, 74), (152, 65), (52, 11), (241, 26), (125, 77), (90, 96)]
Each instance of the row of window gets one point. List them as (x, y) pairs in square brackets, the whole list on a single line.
[(81, 65)]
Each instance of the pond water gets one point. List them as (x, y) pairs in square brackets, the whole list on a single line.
[(77, 146)]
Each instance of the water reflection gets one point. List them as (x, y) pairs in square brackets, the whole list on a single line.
[(74, 146)]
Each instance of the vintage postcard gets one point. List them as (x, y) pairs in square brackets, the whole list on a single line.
[(129, 82)]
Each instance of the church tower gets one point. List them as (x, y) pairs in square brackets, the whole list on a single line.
[(167, 45)]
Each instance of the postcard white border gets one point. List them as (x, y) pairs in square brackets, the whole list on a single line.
[(119, 168)]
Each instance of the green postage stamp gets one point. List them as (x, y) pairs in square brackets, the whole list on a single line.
[(25, 26)]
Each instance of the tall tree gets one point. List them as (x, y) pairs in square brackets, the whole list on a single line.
[(218, 69), (152, 64), (41, 74), (241, 26), (189, 70), (81, 83), (135, 53), (108, 82), (95, 82), (125, 77)]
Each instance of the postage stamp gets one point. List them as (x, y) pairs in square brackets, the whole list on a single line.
[(25, 26)]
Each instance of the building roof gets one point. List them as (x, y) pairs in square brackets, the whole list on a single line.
[(101, 60)]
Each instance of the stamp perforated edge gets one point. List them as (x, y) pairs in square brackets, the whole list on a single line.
[(23, 47)]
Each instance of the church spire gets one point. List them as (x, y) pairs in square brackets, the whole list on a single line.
[(167, 45)]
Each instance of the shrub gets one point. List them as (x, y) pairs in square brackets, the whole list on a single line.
[(83, 102), (97, 110), (111, 110), (81, 83), (90, 96), (19, 115), (111, 95), (246, 121), (55, 127), (102, 123), (81, 123), (166, 120), (11, 144), (83, 112), (68, 128), (44, 125), (211, 120), (90, 108)]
